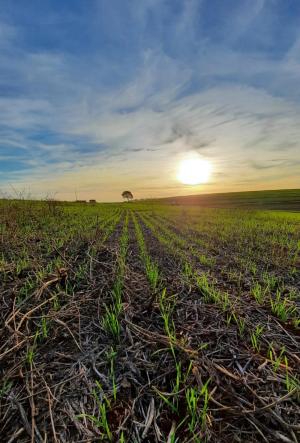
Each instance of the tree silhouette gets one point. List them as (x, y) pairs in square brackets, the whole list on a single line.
[(128, 195)]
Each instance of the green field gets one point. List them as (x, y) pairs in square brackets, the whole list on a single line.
[(150, 321), (282, 199)]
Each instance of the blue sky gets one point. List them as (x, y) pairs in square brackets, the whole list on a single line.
[(101, 95)]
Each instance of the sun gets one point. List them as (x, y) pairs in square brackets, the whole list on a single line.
[(194, 171)]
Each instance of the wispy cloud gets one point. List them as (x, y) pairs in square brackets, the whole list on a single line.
[(130, 90)]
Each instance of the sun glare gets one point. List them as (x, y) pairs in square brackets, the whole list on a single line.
[(194, 171)]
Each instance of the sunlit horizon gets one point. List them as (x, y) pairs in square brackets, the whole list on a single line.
[(113, 96)]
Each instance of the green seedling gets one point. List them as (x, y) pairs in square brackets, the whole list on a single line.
[(276, 360), (225, 302), (296, 322), (151, 268), (152, 273), (30, 355), (258, 293), (44, 327), (101, 419), (271, 281), (192, 396), (255, 337), (110, 322), (197, 415), (292, 383), (206, 261), (56, 303), (206, 289), (240, 322), (122, 437), (187, 270), (282, 308)]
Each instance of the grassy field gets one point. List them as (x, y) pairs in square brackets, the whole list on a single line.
[(282, 199), (148, 322)]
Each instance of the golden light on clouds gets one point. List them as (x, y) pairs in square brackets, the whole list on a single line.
[(194, 171)]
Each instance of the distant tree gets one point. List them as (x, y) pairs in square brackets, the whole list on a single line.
[(128, 195)]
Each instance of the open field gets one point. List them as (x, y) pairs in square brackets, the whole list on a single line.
[(282, 199), (148, 322)]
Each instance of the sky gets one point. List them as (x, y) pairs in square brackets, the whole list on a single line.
[(101, 96)]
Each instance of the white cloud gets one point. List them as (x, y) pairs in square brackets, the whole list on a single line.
[(170, 105)]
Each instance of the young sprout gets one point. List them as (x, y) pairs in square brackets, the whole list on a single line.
[(282, 308), (30, 355), (44, 327), (101, 420), (151, 268), (241, 323), (187, 270), (291, 382), (255, 337), (276, 360), (152, 272), (258, 293), (197, 414), (110, 321), (206, 289)]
